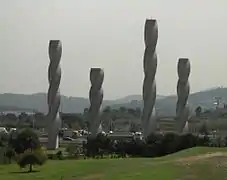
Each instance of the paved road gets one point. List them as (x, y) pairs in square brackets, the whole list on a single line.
[(76, 141)]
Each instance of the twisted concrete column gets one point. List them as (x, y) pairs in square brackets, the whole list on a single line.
[(96, 98), (183, 89), (54, 77), (149, 84)]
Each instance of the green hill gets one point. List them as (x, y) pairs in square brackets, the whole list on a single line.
[(194, 164), (165, 105)]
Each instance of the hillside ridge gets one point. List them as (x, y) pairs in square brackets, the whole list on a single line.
[(165, 105)]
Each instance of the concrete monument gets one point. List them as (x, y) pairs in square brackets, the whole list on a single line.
[(149, 84), (96, 98), (54, 77), (183, 89)]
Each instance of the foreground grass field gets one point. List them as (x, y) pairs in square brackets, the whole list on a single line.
[(192, 164)]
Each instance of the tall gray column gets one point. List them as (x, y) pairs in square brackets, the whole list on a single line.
[(54, 77), (149, 84), (96, 98), (183, 90)]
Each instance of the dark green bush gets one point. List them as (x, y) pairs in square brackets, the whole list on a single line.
[(30, 158), (4, 138), (59, 155), (10, 154), (3, 158), (55, 156), (24, 140), (52, 156), (163, 144), (74, 151), (153, 146)]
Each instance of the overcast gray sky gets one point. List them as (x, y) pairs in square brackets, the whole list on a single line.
[(109, 34)]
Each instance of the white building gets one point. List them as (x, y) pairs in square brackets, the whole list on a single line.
[(3, 130)]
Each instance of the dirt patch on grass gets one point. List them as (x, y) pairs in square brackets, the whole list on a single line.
[(192, 159)]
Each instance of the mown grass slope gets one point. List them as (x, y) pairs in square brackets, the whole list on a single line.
[(192, 164)]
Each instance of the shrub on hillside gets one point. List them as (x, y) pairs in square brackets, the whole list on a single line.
[(187, 141), (203, 140), (55, 155), (153, 146), (74, 151), (30, 158), (171, 143), (59, 155), (163, 144), (98, 146), (52, 156)]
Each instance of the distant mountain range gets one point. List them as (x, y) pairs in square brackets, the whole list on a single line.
[(165, 105)]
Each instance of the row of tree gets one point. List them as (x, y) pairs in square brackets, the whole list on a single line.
[(24, 146), (110, 118), (75, 121), (154, 146)]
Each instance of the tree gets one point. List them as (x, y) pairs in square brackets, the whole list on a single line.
[(107, 109), (9, 154), (4, 138), (86, 111), (198, 111), (32, 158), (131, 111), (76, 125), (26, 139), (75, 121), (10, 119), (87, 125), (134, 127), (11, 116), (203, 129), (40, 120), (123, 109), (138, 112), (23, 117)]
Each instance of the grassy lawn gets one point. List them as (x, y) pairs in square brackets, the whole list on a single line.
[(192, 164)]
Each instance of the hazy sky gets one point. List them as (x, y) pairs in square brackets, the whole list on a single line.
[(109, 34)]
